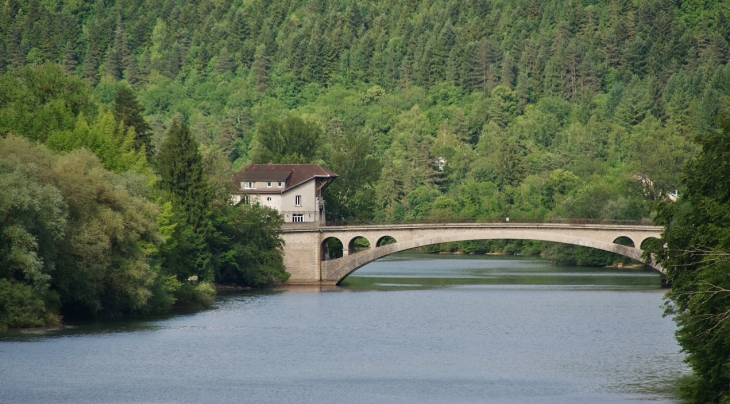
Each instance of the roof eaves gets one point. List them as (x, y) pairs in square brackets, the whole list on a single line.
[(309, 179)]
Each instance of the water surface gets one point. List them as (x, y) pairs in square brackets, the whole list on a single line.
[(410, 328)]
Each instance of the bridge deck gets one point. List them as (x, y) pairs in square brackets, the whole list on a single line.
[(308, 227)]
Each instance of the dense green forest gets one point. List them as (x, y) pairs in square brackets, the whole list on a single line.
[(123, 121)]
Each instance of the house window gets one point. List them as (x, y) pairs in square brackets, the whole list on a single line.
[(298, 200), (279, 184), (250, 185), (268, 199), (268, 185), (245, 199), (297, 218)]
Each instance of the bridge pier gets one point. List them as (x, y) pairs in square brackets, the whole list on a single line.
[(302, 257)]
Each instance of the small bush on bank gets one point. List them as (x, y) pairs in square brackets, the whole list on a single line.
[(20, 307)]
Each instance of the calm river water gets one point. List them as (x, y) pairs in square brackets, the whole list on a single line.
[(412, 328)]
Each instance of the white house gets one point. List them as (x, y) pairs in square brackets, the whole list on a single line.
[(295, 190)]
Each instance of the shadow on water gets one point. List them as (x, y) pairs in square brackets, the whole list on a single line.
[(130, 324), (442, 271)]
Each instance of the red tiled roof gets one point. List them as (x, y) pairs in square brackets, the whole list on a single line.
[(291, 174)]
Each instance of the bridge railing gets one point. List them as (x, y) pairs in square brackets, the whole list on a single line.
[(643, 222)]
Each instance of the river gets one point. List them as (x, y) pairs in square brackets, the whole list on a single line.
[(411, 328)]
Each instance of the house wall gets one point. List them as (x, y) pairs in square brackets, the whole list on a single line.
[(285, 203), (263, 199), (308, 208), (264, 186)]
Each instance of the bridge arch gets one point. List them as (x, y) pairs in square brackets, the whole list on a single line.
[(385, 240), (649, 242), (331, 248), (624, 240), (357, 241), (337, 270)]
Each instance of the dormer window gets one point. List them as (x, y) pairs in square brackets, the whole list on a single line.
[(268, 185), (249, 185), (279, 184)]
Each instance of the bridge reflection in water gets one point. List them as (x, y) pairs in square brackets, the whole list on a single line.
[(305, 243)]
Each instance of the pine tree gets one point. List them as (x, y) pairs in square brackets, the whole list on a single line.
[(91, 64), (113, 63), (507, 77), (145, 64), (69, 59), (238, 31), (312, 71), (180, 167), (225, 62), (16, 53), (332, 52), (128, 110), (483, 65), (353, 21), (117, 53), (260, 68), (440, 51), (3, 62), (405, 73), (131, 73)]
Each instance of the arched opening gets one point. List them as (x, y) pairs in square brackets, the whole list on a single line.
[(385, 240), (623, 240), (650, 243), (331, 248), (358, 244)]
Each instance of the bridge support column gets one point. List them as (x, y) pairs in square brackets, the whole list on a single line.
[(303, 257), (345, 252)]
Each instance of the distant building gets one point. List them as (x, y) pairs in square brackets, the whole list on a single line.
[(295, 190)]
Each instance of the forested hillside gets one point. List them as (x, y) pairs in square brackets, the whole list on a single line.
[(535, 108), (427, 109)]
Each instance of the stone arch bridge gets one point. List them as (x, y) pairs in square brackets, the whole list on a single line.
[(304, 250)]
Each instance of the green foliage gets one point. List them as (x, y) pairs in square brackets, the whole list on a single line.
[(194, 295), (32, 215), (180, 167), (112, 143), (697, 238), (73, 230), (128, 111), (349, 155), (22, 307), (248, 248), (102, 267), (37, 101), (290, 140)]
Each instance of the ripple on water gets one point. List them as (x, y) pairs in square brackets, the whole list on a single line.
[(529, 333)]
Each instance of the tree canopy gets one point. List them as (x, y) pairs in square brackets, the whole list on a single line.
[(697, 258)]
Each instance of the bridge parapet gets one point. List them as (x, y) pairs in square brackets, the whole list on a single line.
[(556, 220)]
